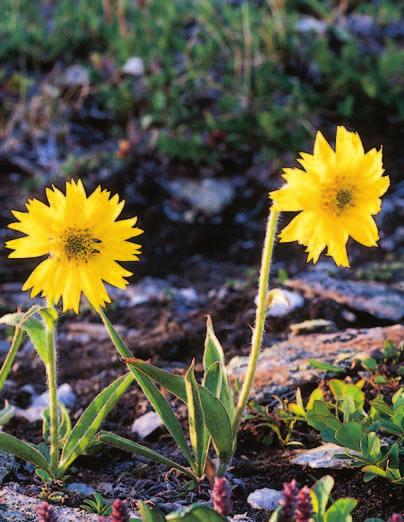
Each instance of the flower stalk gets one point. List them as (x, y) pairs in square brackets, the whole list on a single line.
[(51, 372), (258, 332)]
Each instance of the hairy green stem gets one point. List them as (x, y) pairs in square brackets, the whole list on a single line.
[(9, 360), (53, 400), (260, 315)]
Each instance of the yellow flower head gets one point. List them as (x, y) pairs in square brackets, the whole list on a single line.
[(337, 193), (82, 240)]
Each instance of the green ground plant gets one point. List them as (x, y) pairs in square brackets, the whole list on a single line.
[(218, 77), (371, 431), (62, 443)]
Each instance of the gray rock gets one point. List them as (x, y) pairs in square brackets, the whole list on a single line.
[(145, 425), (82, 489), (377, 299), (210, 196), (265, 498), (7, 463), (323, 456)]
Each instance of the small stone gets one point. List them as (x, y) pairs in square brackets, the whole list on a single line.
[(4, 346), (82, 489), (313, 326), (280, 308), (134, 66), (34, 412), (323, 456), (75, 76), (307, 24), (146, 424), (7, 463), (210, 196), (265, 498)]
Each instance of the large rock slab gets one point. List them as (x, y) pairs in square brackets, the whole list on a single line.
[(377, 299), (287, 363)]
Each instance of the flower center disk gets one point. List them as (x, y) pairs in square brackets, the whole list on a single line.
[(79, 244), (344, 198)]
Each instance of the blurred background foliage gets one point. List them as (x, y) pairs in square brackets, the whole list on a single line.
[(203, 80)]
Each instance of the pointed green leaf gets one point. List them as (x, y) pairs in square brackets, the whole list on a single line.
[(175, 384), (212, 379), (163, 409), (216, 418), (83, 433), (23, 450), (196, 420), (218, 423), (133, 447), (214, 353)]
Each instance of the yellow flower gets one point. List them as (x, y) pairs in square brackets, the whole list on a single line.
[(82, 240), (337, 194)]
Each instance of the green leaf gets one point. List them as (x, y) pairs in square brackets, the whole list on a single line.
[(23, 450), (374, 470), (133, 447), (196, 420), (316, 395), (341, 390), (216, 418), (320, 417), (370, 446), (214, 353), (340, 511), (212, 379), (175, 384), (322, 489), (370, 364), (6, 414), (320, 365), (163, 409), (34, 327), (82, 435), (350, 435), (149, 514), (218, 423), (196, 513)]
